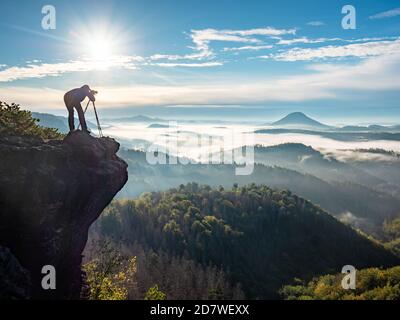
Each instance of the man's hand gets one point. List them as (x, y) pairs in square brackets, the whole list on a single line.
[(91, 95)]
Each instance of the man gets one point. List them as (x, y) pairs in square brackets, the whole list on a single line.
[(73, 100)]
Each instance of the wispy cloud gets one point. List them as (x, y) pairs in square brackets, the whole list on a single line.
[(248, 48), (189, 65), (316, 23), (202, 54), (360, 50), (40, 70), (307, 40), (202, 38), (174, 57), (377, 74), (386, 14), (280, 44)]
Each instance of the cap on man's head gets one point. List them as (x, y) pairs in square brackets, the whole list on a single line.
[(86, 87)]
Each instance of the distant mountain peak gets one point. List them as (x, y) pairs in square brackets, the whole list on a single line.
[(298, 118), (140, 118)]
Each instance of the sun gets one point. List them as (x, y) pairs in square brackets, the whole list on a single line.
[(99, 47), (97, 42)]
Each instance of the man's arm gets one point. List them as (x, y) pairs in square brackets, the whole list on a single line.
[(90, 95)]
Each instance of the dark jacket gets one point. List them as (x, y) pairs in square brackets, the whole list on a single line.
[(77, 95)]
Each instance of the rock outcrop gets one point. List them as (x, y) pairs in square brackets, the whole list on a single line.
[(14, 279), (50, 194)]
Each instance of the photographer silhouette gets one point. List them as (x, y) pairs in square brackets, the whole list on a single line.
[(73, 99)]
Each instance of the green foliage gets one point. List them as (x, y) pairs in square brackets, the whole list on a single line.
[(110, 274), (391, 229), (371, 284), (391, 235), (14, 121), (262, 238), (155, 294)]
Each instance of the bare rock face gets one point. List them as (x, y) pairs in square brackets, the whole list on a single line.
[(14, 280), (50, 194)]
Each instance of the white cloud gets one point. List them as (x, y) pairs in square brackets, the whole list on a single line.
[(307, 40), (268, 31), (189, 65), (202, 38), (33, 98), (361, 50), (304, 40), (316, 23), (387, 14), (56, 69), (248, 48), (202, 42), (174, 57), (377, 74)]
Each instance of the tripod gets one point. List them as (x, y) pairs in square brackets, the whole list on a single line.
[(97, 118)]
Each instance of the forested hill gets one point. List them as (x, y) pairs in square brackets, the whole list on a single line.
[(261, 237), (369, 207)]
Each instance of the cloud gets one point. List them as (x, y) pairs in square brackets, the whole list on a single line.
[(349, 155), (326, 81), (202, 38), (189, 65), (203, 55), (316, 23), (387, 14), (175, 57), (248, 48), (307, 40), (360, 50), (41, 70), (33, 98), (268, 31), (349, 218)]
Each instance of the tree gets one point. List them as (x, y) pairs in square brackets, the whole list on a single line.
[(14, 121), (372, 284), (154, 294), (110, 274)]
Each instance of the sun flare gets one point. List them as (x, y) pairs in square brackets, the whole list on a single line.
[(98, 43), (99, 47)]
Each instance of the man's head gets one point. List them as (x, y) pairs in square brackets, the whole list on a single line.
[(87, 89)]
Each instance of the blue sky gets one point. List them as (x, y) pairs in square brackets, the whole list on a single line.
[(258, 55)]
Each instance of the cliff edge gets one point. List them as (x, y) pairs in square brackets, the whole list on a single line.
[(50, 194)]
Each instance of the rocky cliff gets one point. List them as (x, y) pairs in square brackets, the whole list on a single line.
[(50, 194)]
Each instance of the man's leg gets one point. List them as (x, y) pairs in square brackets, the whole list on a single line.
[(71, 121), (81, 116)]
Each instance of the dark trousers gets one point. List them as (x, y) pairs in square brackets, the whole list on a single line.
[(71, 120)]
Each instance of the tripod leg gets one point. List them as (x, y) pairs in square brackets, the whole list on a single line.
[(97, 119), (84, 112), (87, 105)]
